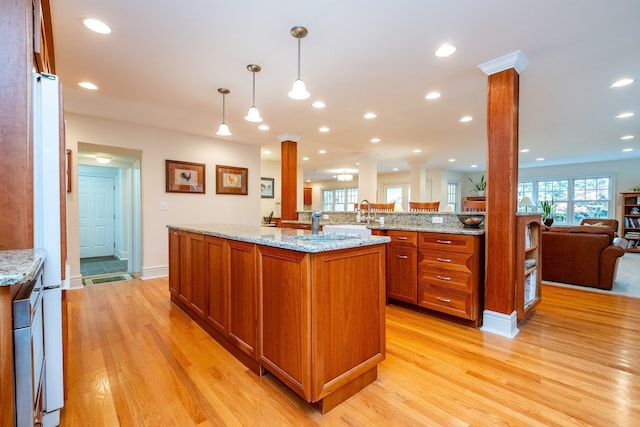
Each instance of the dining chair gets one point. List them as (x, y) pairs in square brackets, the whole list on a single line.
[(424, 206)]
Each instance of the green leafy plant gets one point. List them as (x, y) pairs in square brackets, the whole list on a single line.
[(548, 210), (636, 188), (479, 185)]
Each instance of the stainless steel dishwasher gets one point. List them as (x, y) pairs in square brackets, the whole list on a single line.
[(29, 360)]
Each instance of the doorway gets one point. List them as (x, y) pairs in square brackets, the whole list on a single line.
[(109, 211)]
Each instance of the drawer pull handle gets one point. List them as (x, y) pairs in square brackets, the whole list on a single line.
[(443, 277), (402, 238), (444, 242), (402, 256), (443, 299), (443, 259)]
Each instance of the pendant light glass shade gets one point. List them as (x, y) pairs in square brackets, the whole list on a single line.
[(253, 115), (223, 129), (299, 91)]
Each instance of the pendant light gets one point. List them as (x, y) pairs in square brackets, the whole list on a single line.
[(253, 115), (299, 91), (223, 130)]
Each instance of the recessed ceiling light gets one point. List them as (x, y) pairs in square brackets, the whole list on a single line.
[(97, 26), (263, 127), (395, 169), (375, 140), (417, 150), (628, 137), (433, 95), (525, 150), (103, 159), (305, 158), (624, 115), (621, 82), (370, 116), (474, 166), (318, 104), (445, 50), (324, 129), (322, 151), (466, 119), (266, 152), (626, 150), (539, 159), (88, 85), (452, 160)]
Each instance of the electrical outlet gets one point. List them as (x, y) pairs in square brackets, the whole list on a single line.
[(325, 216), (436, 220), (164, 206)]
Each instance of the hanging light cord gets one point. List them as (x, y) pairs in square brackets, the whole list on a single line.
[(298, 58), (254, 88), (223, 106)]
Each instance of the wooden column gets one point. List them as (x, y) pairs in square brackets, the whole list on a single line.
[(289, 176), (502, 189)]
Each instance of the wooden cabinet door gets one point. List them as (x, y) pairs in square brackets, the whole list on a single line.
[(307, 195), (174, 262), (243, 316), (402, 273), (218, 298), (197, 281), (285, 336)]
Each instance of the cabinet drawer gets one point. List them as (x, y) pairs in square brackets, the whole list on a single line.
[(455, 261), (455, 280), (441, 299), (404, 238), (447, 242)]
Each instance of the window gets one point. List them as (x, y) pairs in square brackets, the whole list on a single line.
[(339, 199), (573, 198), (452, 196), (399, 194)]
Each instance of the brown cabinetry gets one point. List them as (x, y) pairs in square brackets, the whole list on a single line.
[(450, 274), (217, 308), (188, 276), (528, 274), (243, 295), (322, 332), (631, 220), (402, 266), (307, 195)]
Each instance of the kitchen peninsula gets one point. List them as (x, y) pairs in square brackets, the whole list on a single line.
[(307, 308)]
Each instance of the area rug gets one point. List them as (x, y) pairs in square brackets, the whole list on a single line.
[(627, 282), (106, 279)]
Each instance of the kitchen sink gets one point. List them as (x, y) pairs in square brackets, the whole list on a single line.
[(346, 228)]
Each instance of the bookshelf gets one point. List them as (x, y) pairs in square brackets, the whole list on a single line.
[(528, 274), (631, 220)]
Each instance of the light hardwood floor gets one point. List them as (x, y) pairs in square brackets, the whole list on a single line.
[(134, 359)]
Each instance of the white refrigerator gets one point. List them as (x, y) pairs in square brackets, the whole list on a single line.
[(47, 217)]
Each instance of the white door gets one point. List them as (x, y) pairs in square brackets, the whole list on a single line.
[(96, 216)]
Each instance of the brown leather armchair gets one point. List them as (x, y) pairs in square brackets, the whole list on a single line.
[(581, 255)]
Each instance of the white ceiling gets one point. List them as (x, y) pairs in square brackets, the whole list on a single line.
[(165, 60)]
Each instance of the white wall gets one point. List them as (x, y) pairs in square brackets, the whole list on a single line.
[(157, 145), (271, 169)]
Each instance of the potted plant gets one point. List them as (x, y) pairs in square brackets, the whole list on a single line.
[(549, 213), (479, 186)]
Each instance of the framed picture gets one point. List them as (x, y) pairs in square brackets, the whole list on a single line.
[(266, 188), (231, 180), (184, 177)]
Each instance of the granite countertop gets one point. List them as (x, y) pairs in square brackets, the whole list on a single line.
[(425, 228), (296, 240), (19, 265)]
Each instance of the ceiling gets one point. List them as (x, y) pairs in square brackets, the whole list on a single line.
[(164, 61)]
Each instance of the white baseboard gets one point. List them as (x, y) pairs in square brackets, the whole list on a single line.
[(154, 272), (75, 282), (502, 324), (122, 255)]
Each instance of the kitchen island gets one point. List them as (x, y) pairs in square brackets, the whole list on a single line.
[(308, 309)]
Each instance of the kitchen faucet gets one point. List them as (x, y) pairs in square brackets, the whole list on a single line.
[(359, 217), (315, 221)]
